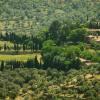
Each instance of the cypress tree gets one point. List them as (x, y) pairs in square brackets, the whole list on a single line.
[(2, 66), (15, 48), (24, 47), (5, 47), (36, 61)]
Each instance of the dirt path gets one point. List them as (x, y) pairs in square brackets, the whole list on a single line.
[(93, 30)]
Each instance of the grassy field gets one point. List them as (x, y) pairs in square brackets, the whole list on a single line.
[(7, 43), (22, 57), (10, 55)]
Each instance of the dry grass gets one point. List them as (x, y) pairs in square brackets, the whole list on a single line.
[(23, 57)]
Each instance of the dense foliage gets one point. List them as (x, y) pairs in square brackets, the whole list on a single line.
[(33, 16), (50, 83), (49, 49)]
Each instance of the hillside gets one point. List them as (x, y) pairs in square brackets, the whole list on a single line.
[(49, 50), (32, 16), (45, 84)]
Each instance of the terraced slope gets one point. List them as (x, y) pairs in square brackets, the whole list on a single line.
[(25, 17)]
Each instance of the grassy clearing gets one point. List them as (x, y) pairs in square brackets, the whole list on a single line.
[(22, 57), (7, 43)]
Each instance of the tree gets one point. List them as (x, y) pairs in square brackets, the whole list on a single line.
[(63, 58), (78, 35), (75, 63), (36, 62), (2, 66), (54, 31), (15, 47), (5, 47), (87, 55), (24, 47), (72, 51)]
